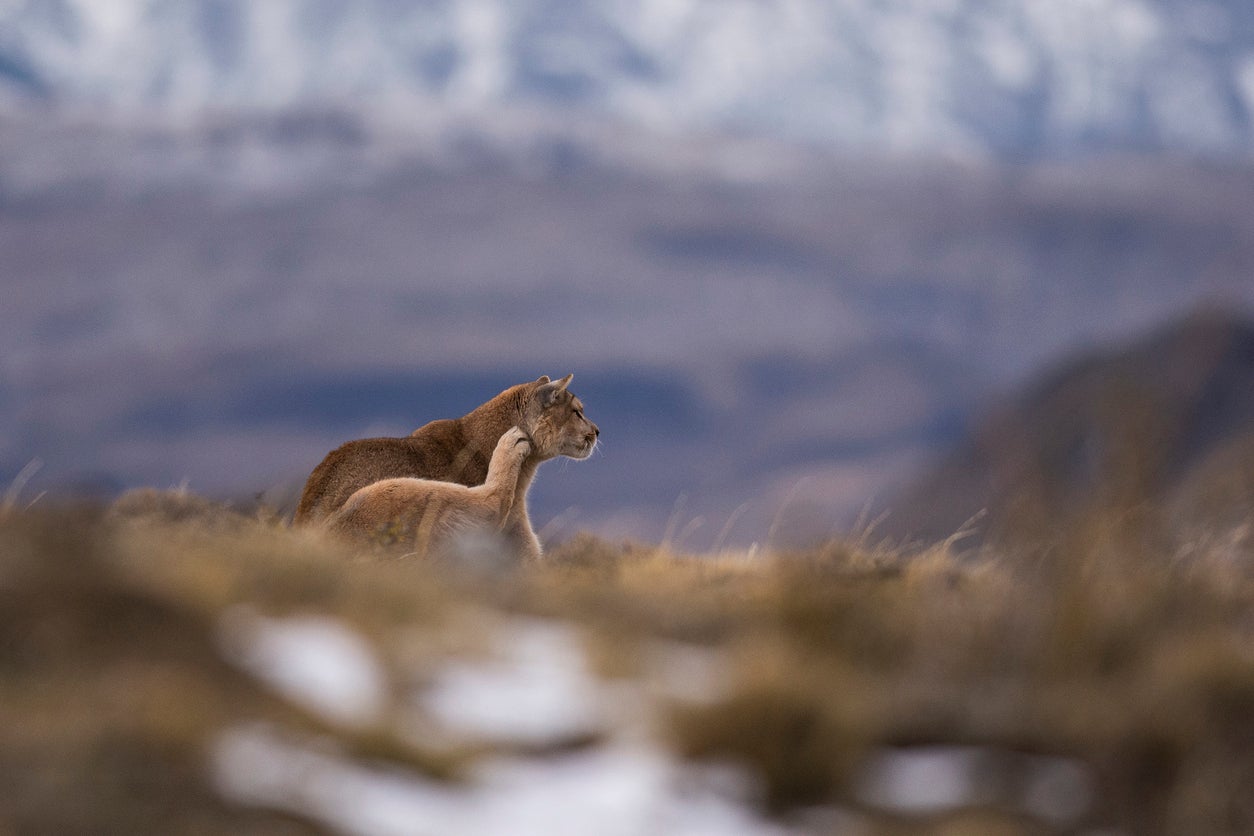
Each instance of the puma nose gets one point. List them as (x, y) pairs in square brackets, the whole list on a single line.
[(596, 431)]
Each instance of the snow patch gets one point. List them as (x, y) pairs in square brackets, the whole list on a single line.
[(928, 780), (1245, 82), (856, 73), (314, 661), (1006, 55), (257, 766), (536, 687), (923, 780), (484, 72), (615, 791)]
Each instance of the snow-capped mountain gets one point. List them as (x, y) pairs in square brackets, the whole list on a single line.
[(1020, 77)]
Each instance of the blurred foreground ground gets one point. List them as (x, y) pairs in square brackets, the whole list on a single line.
[(174, 666)]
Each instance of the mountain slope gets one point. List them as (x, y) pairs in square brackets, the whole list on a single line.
[(1165, 423), (1025, 77)]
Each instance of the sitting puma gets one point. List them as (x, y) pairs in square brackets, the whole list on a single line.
[(457, 450), (427, 516)]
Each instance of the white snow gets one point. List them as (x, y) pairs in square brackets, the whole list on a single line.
[(1006, 53), (535, 688), (258, 766), (314, 661), (618, 790), (927, 780), (856, 73), (484, 71), (923, 779), (1245, 81)]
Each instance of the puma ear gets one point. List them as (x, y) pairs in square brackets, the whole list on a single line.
[(549, 392), (544, 378)]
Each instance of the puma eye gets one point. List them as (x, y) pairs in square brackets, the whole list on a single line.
[(578, 413)]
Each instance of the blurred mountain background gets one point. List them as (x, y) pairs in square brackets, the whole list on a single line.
[(799, 255), (1018, 78)]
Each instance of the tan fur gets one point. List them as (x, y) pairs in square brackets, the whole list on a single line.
[(457, 450), (427, 516)]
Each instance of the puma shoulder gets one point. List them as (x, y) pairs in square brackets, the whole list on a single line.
[(453, 449)]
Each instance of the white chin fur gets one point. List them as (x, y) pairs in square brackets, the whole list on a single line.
[(581, 452)]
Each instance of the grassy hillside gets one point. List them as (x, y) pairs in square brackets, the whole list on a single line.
[(174, 666)]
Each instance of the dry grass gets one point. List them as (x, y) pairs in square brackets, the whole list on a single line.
[(1104, 650)]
